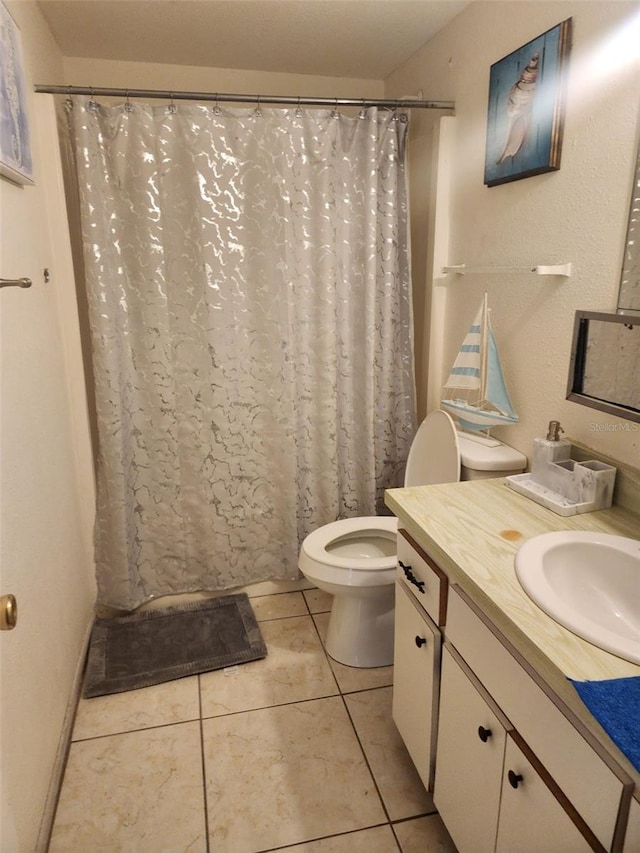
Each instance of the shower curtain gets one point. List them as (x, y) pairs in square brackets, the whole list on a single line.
[(250, 310)]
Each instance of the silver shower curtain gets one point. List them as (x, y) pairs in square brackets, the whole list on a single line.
[(250, 310)]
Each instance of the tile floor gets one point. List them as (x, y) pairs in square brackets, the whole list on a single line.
[(294, 752)]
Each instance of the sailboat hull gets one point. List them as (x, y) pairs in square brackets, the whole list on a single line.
[(472, 418)]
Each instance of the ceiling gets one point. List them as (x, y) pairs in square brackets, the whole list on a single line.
[(365, 39)]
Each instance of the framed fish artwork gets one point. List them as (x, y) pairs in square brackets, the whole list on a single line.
[(15, 148), (526, 108)]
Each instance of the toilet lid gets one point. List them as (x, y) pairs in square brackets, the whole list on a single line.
[(434, 456)]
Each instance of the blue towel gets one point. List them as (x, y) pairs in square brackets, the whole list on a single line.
[(615, 703)]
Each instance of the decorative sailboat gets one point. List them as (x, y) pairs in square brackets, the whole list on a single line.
[(475, 392)]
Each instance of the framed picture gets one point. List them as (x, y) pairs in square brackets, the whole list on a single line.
[(15, 148), (526, 108)]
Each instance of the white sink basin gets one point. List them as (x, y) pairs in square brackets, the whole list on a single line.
[(589, 583)]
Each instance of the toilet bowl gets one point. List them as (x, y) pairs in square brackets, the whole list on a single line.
[(355, 559)]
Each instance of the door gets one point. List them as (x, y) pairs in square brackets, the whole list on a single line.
[(531, 818), (469, 758), (415, 682)]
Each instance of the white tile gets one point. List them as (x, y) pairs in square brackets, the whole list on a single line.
[(279, 606), (294, 669), (402, 790), (141, 792), (424, 835), (318, 600), (284, 775), (351, 678), (172, 702), (380, 839), (273, 587)]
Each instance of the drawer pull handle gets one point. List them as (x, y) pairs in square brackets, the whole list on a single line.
[(421, 641), (484, 734), (408, 573), (514, 778)]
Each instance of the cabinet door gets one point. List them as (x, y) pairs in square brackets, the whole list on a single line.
[(469, 758), (531, 818), (415, 682)]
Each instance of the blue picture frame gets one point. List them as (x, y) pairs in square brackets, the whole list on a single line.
[(15, 146), (525, 119)]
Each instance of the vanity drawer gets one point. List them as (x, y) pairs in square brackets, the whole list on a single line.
[(422, 577), (588, 781)]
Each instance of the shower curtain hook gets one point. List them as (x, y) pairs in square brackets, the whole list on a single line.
[(298, 108), (216, 109), (128, 106), (363, 111), (92, 104), (258, 109), (172, 107), (334, 112), (394, 117), (68, 101)]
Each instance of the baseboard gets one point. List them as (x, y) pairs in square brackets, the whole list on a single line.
[(55, 783)]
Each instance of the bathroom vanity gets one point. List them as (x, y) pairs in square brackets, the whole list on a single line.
[(482, 696)]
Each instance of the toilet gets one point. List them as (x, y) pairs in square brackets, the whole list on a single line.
[(355, 559)]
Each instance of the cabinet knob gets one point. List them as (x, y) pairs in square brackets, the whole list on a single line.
[(420, 641), (514, 778), (484, 734)]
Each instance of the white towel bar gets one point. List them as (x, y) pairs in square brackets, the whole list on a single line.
[(539, 269)]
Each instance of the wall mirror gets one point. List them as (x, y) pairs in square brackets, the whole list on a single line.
[(605, 363), (604, 372), (629, 294)]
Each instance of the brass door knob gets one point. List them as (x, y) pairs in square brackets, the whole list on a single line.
[(8, 612)]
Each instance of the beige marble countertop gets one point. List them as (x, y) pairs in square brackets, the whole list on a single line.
[(473, 530)]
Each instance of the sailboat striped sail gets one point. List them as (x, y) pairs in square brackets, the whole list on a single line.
[(475, 391)]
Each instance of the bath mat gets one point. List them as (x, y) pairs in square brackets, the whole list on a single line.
[(129, 652)]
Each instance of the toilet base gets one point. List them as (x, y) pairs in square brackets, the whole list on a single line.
[(360, 631)]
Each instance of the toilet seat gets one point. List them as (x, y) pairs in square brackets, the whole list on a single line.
[(319, 561), (317, 545)]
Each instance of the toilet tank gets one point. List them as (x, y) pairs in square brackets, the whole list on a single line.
[(481, 459)]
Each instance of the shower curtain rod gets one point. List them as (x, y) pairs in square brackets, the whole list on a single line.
[(389, 103)]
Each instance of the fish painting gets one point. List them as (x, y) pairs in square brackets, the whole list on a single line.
[(526, 106), (518, 107)]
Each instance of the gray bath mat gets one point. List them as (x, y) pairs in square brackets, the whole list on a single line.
[(153, 646)]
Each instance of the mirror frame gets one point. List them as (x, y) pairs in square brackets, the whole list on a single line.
[(575, 391)]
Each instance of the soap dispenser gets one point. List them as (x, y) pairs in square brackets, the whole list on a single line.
[(551, 449)]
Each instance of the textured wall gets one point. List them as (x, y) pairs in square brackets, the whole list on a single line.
[(577, 214)]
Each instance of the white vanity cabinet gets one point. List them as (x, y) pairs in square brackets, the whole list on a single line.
[(569, 797), (420, 608), (488, 792), (505, 699)]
